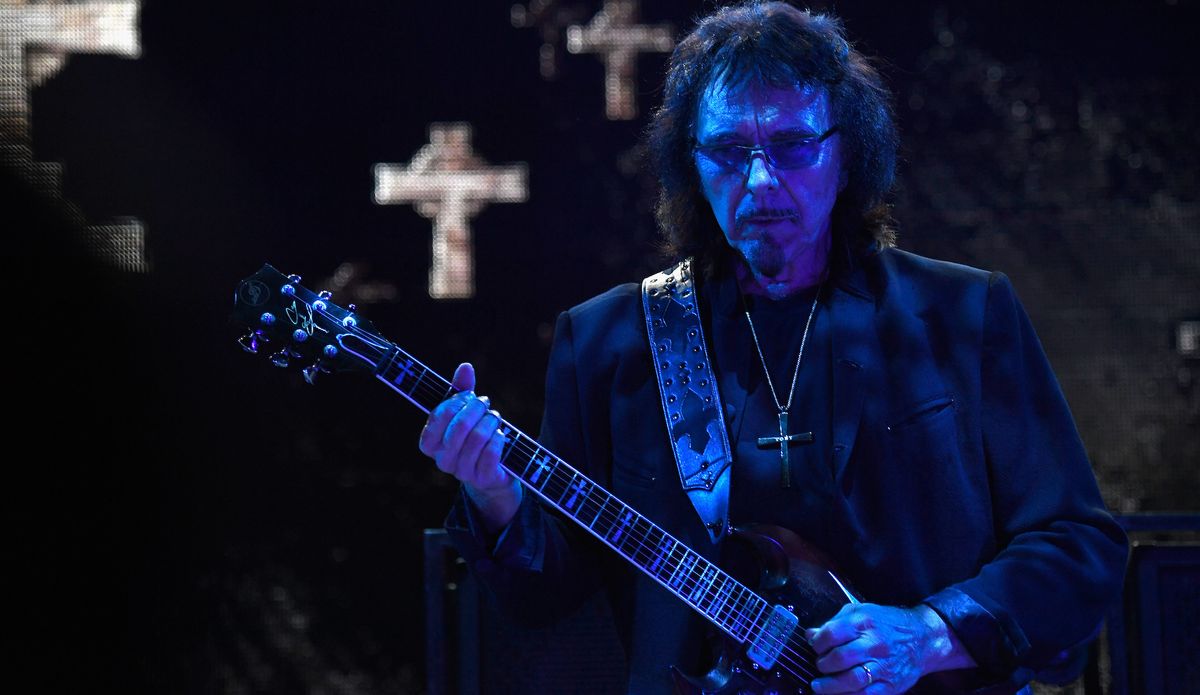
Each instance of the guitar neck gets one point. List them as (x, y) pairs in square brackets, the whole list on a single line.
[(720, 598)]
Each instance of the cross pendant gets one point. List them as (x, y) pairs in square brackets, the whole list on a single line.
[(782, 441)]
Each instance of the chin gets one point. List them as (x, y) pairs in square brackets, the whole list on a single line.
[(765, 260)]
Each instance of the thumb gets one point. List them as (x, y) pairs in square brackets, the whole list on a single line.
[(464, 377)]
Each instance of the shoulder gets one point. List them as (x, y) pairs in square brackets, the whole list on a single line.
[(917, 281), (620, 302), (909, 267), (607, 324)]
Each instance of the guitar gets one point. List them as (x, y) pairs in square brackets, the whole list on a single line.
[(762, 628)]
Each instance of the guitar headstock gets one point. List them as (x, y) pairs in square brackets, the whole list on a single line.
[(296, 326)]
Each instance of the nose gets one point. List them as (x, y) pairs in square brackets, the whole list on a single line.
[(760, 174)]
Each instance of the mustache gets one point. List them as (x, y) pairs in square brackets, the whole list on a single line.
[(765, 213)]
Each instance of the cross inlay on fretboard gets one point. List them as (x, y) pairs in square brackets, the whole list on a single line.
[(727, 603), (782, 441)]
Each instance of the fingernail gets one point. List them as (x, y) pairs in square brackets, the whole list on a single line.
[(485, 400)]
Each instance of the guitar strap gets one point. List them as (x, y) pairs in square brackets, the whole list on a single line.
[(687, 383)]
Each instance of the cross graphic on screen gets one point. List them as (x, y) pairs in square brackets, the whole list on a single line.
[(448, 183), (35, 41), (550, 18), (614, 34)]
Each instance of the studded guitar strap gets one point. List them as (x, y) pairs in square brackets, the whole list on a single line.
[(691, 404)]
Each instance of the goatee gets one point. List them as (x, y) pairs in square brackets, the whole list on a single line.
[(764, 257)]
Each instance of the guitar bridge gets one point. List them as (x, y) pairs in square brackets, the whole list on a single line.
[(769, 643)]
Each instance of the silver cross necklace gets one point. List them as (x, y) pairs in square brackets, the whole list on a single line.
[(784, 439)]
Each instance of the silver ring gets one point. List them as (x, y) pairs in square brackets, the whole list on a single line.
[(870, 678)]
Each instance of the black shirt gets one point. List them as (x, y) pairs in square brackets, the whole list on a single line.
[(757, 494)]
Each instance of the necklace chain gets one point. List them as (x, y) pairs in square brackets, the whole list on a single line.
[(783, 408)]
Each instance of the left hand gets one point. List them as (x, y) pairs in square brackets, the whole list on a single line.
[(881, 649)]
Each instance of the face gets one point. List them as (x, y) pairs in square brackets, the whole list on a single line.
[(778, 220)]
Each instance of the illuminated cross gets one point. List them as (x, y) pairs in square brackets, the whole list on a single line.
[(549, 18), (448, 183), (614, 34), (35, 41)]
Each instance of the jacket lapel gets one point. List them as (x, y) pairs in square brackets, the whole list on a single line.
[(856, 352)]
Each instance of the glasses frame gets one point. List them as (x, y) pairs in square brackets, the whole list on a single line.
[(749, 151)]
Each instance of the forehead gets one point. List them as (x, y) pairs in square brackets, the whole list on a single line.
[(753, 110)]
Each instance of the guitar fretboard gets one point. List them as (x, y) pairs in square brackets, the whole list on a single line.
[(727, 603)]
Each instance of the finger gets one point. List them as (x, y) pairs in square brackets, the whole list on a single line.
[(876, 683), (450, 455), (839, 630), (846, 656), (474, 442), (462, 385), (464, 377), (488, 469), (434, 431), (851, 680)]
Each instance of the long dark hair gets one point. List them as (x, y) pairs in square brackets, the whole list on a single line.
[(774, 44)]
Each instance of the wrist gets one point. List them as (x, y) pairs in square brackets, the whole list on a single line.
[(496, 505), (944, 651)]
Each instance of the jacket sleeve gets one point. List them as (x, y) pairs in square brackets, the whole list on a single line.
[(541, 567), (1062, 556)]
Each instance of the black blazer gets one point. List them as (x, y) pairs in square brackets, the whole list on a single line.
[(963, 482)]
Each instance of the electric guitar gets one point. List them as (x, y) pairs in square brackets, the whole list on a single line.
[(762, 627)]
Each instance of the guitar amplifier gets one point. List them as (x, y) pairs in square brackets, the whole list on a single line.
[(472, 650), (1152, 638)]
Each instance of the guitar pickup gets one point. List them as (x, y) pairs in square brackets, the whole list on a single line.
[(769, 644)]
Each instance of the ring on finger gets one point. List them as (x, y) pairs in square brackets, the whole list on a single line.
[(870, 677)]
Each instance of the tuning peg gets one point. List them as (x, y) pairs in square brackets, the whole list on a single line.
[(250, 342), (282, 358), (325, 294), (311, 371), (353, 307), (294, 278)]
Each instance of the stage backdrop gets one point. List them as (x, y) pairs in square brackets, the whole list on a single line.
[(191, 519)]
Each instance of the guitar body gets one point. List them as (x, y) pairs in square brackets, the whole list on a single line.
[(785, 570)]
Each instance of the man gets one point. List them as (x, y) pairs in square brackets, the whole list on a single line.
[(940, 467)]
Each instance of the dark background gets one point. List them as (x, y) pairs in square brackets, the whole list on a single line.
[(189, 519)]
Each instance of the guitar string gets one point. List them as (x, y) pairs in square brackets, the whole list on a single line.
[(435, 393), (785, 645), (686, 586), (518, 443), (641, 548), (693, 576)]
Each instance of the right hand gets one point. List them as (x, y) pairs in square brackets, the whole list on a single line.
[(462, 436)]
